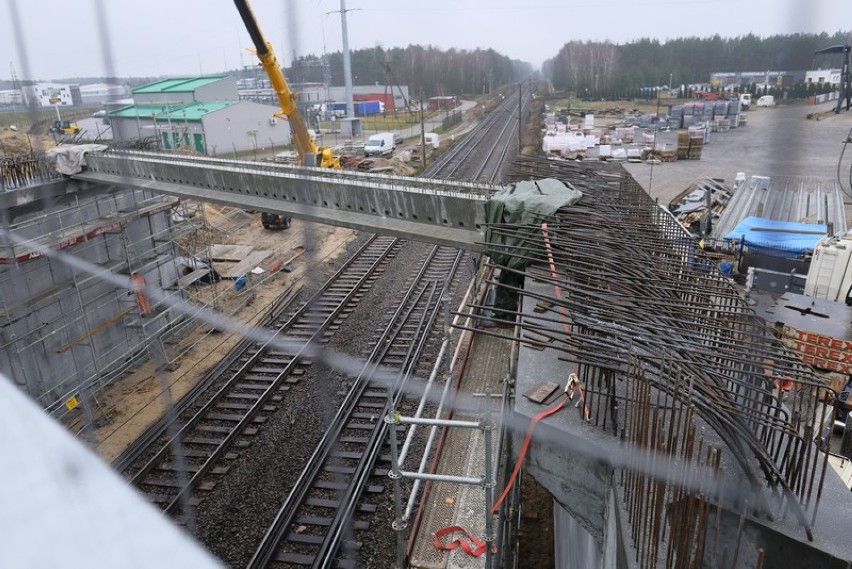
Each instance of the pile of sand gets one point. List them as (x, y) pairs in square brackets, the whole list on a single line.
[(398, 166), (15, 142)]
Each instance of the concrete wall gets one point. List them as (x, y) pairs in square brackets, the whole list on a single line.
[(239, 127), (63, 330), (575, 547)]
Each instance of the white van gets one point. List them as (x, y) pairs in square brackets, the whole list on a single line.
[(745, 100), (432, 139), (381, 144), (766, 101)]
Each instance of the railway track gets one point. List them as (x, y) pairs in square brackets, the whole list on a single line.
[(335, 501), (343, 483), (480, 154), (339, 489), (198, 445)]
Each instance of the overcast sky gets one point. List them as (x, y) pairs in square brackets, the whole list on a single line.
[(188, 37)]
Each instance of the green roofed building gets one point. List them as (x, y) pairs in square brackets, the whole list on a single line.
[(202, 113)]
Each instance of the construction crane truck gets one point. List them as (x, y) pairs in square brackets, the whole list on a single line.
[(309, 153)]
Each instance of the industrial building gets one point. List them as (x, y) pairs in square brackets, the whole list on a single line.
[(10, 97), (827, 76), (312, 95), (765, 79), (52, 95), (202, 113), (101, 93)]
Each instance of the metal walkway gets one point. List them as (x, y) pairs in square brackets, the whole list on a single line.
[(436, 211)]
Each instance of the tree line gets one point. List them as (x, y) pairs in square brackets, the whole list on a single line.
[(424, 69), (604, 68)]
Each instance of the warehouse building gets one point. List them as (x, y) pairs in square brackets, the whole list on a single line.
[(202, 113), (96, 94), (827, 76), (52, 95), (313, 95), (10, 97), (765, 79)]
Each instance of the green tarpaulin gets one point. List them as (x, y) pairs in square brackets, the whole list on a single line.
[(524, 203)]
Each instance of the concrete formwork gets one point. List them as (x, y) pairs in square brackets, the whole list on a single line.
[(65, 331)]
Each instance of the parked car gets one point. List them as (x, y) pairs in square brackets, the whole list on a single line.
[(766, 101), (397, 138), (745, 101), (99, 114)]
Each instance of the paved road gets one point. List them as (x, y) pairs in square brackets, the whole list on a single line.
[(777, 141), (95, 128)]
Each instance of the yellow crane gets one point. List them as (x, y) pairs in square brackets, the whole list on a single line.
[(309, 153)]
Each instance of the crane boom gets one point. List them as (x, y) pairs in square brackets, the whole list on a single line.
[(309, 153)]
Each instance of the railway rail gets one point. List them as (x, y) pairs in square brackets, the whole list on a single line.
[(480, 154), (331, 503), (329, 509), (168, 467), (319, 515)]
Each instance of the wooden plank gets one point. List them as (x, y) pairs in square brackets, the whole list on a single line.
[(254, 259), (190, 278), (225, 252)]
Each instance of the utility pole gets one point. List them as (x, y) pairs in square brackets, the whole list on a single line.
[(347, 63), (520, 122), (422, 133)]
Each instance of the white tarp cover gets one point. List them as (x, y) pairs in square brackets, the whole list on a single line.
[(70, 159)]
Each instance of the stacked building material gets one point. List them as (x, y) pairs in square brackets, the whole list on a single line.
[(709, 111), (682, 150), (676, 116), (720, 125), (625, 134), (734, 110), (696, 145), (693, 114)]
